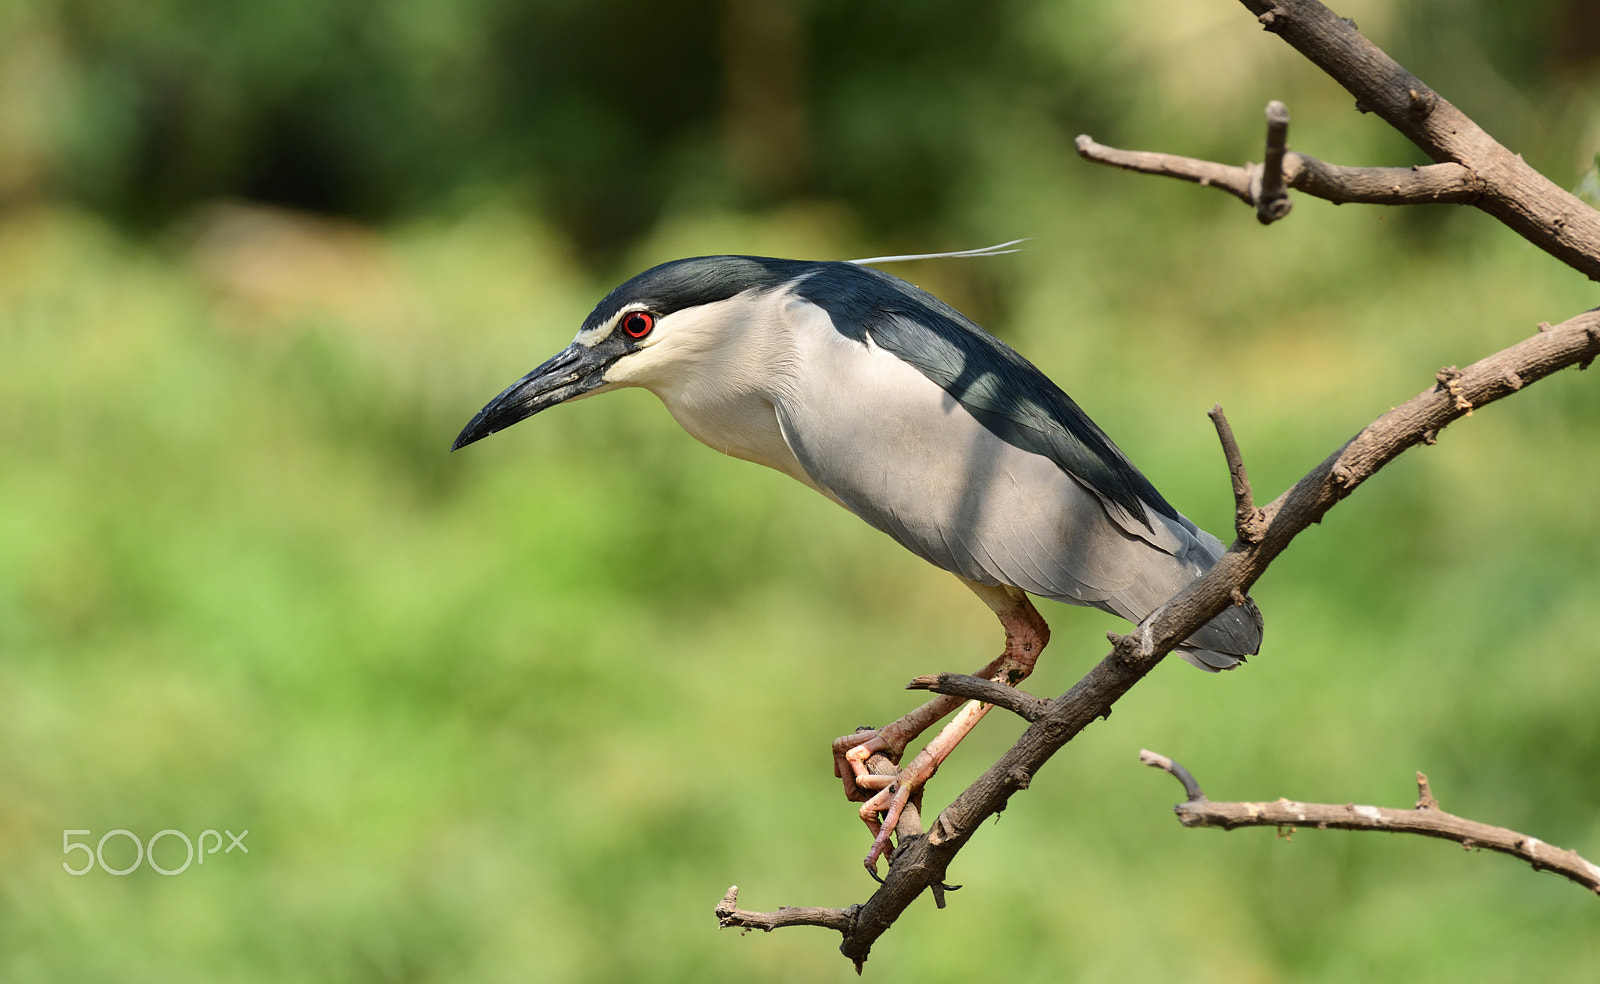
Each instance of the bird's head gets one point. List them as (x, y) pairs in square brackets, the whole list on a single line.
[(667, 320)]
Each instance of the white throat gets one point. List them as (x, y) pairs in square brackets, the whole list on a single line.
[(721, 370)]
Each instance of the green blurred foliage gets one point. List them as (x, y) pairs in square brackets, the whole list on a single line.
[(606, 116), (524, 712)]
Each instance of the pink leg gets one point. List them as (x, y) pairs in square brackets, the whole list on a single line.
[(1026, 636)]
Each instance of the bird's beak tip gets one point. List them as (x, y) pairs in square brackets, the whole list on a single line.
[(468, 436), (562, 377)]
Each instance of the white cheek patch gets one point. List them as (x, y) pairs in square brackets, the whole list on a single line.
[(590, 337)]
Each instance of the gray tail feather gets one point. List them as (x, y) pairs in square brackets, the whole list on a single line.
[(1225, 641), (1210, 660)]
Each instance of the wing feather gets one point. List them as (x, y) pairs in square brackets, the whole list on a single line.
[(1001, 389)]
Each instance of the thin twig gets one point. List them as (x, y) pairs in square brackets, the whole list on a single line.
[(1426, 819), (1247, 521), (1236, 181), (1191, 785), (729, 915), (1019, 702), (1433, 184)]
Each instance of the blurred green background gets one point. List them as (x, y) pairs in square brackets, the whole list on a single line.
[(525, 712)]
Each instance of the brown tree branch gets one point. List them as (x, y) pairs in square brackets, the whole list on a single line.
[(921, 861), (1272, 198), (1191, 785), (1532, 205), (1019, 702), (1247, 519), (1433, 184), (1239, 182), (729, 915), (1426, 818)]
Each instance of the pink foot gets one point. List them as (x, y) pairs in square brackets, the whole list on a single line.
[(883, 798)]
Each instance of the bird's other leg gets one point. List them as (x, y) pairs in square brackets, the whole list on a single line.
[(1026, 636)]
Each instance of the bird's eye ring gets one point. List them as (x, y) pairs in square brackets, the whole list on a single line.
[(637, 324)]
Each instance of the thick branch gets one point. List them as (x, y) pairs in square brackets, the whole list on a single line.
[(1425, 818)]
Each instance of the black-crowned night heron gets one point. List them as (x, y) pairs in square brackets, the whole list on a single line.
[(891, 403)]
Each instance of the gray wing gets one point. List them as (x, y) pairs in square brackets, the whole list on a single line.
[(1001, 390), (923, 469)]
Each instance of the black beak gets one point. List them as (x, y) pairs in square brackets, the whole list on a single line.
[(574, 371)]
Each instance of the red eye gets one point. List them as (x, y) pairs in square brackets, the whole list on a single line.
[(637, 324)]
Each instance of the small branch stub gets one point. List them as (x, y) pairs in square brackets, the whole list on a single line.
[(1248, 521), (1272, 201), (1425, 800)]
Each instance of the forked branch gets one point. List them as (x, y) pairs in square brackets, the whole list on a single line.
[(1472, 167), (1433, 184)]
